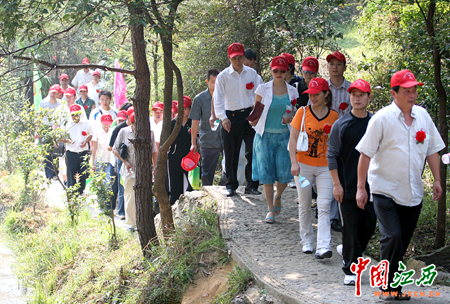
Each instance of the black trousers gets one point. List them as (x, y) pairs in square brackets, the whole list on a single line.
[(357, 229), (240, 130), (177, 177), (210, 157), (75, 166), (397, 224)]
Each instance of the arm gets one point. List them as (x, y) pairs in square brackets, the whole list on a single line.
[(84, 142), (154, 158), (338, 191), (334, 148), (194, 132), (213, 117), (219, 104), (295, 168), (117, 154), (361, 194), (94, 153), (433, 162)]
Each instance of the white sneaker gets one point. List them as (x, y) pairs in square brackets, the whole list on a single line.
[(307, 248), (292, 185), (350, 279), (323, 254), (339, 249)]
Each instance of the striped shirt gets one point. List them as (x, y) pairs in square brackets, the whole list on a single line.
[(340, 96)]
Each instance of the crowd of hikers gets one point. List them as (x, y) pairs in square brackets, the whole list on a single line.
[(355, 166)]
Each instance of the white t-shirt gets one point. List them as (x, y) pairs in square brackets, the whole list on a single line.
[(81, 78), (97, 113), (93, 91), (102, 139), (156, 128)]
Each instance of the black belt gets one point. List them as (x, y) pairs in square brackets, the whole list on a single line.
[(85, 151), (240, 110)]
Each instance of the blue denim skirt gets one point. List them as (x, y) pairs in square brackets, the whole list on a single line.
[(271, 161)]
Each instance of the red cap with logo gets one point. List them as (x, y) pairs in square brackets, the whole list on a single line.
[(85, 60), (96, 73), (132, 117), (279, 62), (336, 55), (405, 79), (55, 88), (235, 49), (158, 106), (316, 85), (130, 111), (75, 108), (361, 85), (122, 115), (64, 76), (175, 106), (106, 119), (83, 87), (187, 102), (310, 64), (70, 91), (290, 58)]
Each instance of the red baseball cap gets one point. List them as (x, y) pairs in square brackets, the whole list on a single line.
[(106, 119), (75, 108), (175, 106), (85, 60), (337, 55), (130, 111), (279, 62), (122, 115), (55, 88), (235, 49), (187, 102), (290, 58), (132, 117), (83, 87), (405, 79), (361, 85), (158, 106), (310, 64), (70, 91), (316, 85), (96, 73), (64, 76)]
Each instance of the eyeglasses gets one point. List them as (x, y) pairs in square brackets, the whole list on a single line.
[(308, 72), (279, 71), (75, 115), (303, 181)]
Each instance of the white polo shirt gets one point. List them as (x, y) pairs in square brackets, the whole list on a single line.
[(397, 160), (78, 133)]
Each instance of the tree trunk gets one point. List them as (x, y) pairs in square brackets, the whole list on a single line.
[(141, 101), (155, 69)]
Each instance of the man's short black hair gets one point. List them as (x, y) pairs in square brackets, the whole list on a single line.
[(250, 54), (105, 92), (396, 88), (125, 106), (212, 72)]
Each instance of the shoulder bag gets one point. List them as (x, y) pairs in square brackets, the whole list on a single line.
[(302, 141)]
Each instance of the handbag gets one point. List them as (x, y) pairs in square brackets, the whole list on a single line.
[(60, 150), (256, 112), (302, 141), (123, 151)]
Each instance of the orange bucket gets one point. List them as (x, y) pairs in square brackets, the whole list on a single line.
[(190, 161)]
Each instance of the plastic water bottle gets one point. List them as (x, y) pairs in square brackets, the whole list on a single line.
[(287, 114), (446, 158), (216, 125)]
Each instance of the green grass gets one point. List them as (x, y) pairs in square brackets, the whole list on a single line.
[(65, 264), (237, 282)]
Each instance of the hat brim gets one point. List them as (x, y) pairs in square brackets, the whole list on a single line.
[(410, 84), (157, 108), (69, 94), (108, 122), (83, 90), (61, 78), (331, 56), (284, 68), (359, 88), (312, 91), (236, 54), (308, 68), (53, 91)]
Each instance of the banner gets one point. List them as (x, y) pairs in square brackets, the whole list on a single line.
[(37, 95), (119, 88)]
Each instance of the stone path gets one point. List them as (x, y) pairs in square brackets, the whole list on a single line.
[(273, 254)]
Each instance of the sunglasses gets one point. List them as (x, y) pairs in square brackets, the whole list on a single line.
[(308, 72), (75, 115), (279, 71), (303, 181)]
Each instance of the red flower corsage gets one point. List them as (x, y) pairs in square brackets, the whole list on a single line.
[(420, 136), (343, 106), (98, 91), (294, 102), (84, 133), (327, 129), (85, 107), (249, 86)]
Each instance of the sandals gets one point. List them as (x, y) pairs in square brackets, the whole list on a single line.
[(277, 209), (270, 219)]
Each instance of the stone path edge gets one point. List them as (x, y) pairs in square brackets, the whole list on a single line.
[(273, 287)]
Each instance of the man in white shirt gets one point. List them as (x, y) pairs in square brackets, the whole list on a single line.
[(234, 97), (94, 88), (80, 133), (399, 139), (83, 76), (156, 121), (105, 108)]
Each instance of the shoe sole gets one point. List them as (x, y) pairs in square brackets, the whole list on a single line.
[(325, 255), (351, 283), (307, 252)]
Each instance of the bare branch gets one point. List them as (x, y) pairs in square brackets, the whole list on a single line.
[(54, 66), (25, 85)]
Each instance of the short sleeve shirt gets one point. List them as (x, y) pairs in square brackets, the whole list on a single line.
[(317, 137)]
